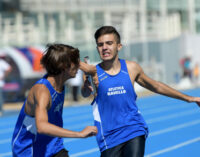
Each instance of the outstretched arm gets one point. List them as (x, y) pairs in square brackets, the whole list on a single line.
[(42, 98), (159, 87), (87, 68)]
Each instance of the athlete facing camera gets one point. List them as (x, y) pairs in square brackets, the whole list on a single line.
[(122, 130)]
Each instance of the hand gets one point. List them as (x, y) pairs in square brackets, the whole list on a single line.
[(196, 100), (88, 131), (95, 80)]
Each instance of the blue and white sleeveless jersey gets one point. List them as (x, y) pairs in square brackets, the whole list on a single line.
[(114, 109), (26, 142)]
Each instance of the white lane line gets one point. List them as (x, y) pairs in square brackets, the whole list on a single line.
[(158, 104), (172, 116), (6, 154), (85, 152), (3, 131), (78, 118), (173, 128), (164, 109), (149, 155), (10, 123), (150, 135), (168, 149), (86, 113), (153, 120), (71, 140), (5, 141)]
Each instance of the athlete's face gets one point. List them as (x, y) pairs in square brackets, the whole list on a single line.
[(108, 47)]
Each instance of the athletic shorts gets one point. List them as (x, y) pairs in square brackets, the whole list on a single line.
[(132, 148), (62, 153)]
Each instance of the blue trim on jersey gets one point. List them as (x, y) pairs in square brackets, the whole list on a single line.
[(115, 111), (26, 142)]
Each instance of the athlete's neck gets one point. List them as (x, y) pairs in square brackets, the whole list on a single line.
[(56, 82), (111, 67)]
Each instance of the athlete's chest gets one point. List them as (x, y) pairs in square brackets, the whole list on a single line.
[(114, 85)]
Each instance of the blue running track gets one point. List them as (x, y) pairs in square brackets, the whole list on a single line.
[(174, 128)]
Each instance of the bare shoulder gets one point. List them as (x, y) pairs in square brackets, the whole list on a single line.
[(133, 66), (134, 70), (131, 63), (38, 95), (38, 92)]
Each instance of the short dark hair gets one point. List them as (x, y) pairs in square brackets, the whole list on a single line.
[(107, 30), (59, 57)]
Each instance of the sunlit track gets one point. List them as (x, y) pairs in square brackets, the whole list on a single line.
[(164, 109), (149, 121), (75, 127), (172, 116), (174, 147), (173, 125)]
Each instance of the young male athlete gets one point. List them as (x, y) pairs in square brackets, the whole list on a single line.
[(121, 128), (39, 128)]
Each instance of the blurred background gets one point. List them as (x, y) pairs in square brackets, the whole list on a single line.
[(161, 35)]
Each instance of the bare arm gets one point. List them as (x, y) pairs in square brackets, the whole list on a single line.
[(87, 68), (42, 98), (159, 87)]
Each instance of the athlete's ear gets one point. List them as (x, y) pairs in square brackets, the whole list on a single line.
[(119, 46)]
